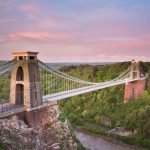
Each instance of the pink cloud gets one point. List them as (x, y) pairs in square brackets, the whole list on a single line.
[(43, 36), (29, 8), (135, 46), (84, 33), (7, 20), (43, 20), (37, 36)]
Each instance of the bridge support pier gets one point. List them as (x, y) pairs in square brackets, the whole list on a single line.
[(34, 117), (134, 89)]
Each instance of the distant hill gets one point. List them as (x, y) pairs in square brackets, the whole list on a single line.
[(58, 65), (67, 64)]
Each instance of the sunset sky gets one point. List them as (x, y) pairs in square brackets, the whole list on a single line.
[(76, 30)]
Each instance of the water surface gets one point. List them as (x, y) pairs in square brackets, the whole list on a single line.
[(91, 142)]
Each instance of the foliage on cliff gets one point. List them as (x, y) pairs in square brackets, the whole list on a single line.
[(105, 107), (4, 88)]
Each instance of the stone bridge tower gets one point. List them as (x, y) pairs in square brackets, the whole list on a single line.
[(135, 88), (25, 80)]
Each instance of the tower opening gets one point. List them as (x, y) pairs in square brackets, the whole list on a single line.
[(19, 94), (20, 75), (20, 58), (31, 57)]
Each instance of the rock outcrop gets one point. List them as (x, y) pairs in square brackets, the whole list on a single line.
[(52, 134)]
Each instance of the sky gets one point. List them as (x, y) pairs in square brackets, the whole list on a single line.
[(76, 30)]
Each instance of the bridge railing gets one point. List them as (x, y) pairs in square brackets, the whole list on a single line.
[(5, 107)]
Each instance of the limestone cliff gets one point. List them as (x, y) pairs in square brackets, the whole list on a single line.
[(51, 134)]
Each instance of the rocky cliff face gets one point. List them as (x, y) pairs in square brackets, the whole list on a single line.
[(52, 134)]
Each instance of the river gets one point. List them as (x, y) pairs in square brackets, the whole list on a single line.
[(93, 142)]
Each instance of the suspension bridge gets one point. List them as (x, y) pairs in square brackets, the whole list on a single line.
[(33, 85)]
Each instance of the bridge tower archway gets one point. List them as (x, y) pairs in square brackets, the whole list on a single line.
[(135, 70), (25, 85), (135, 88), (19, 94)]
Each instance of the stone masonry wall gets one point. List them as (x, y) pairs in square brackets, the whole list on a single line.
[(136, 88)]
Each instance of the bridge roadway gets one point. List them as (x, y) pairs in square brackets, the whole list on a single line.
[(8, 109), (78, 91)]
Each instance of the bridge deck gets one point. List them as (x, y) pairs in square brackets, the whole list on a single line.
[(8, 109), (78, 91)]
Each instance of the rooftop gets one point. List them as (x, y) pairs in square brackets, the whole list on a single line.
[(27, 53)]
